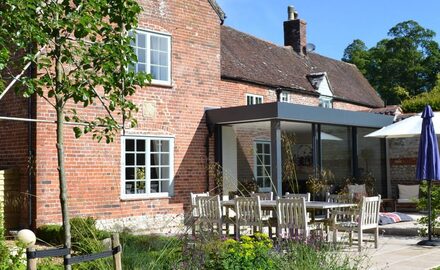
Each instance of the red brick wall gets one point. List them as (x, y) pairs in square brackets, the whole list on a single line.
[(93, 169)]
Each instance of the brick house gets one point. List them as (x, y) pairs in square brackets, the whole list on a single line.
[(197, 111)]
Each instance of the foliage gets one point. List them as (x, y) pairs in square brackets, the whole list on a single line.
[(9, 260), (150, 252), (51, 234), (402, 66), (435, 206), (320, 182), (289, 167), (417, 103)]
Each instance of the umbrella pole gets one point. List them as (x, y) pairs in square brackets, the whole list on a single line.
[(429, 210)]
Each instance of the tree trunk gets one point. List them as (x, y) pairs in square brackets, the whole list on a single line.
[(59, 106)]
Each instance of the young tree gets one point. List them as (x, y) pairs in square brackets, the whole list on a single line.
[(85, 57)]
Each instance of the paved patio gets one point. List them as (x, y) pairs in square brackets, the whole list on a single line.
[(398, 249)]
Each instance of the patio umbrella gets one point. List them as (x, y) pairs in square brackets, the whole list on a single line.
[(418, 125), (428, 163)]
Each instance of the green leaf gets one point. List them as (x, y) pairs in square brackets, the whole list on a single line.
[(77, 132)]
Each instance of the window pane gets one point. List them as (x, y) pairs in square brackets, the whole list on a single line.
[(154, 57), (154, 159), (163, 44), (259, 171), (154, 42), (165, 173), (267, 148), (164, 159), (129, 188), (266, 159), (163, 75), (141, 40), (140, 187), (142, 56), (260, 182), (129, 145), (259, 148), (129, 173), (165, 146), (141, 68), (155, 72), (154, 145), (164, 186), (140, 159), (140, 145), (129, 159), (154, 173), (140, 173), (154, 186), (163, 59)]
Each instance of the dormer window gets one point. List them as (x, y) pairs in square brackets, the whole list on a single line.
[(321, 84)]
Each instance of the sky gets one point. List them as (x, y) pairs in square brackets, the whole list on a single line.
[(331, 24)]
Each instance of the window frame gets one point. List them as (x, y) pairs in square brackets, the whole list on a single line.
[(148, 33), (254, 97), (263, 142), (284, 95), (326, 102), (147, 194)]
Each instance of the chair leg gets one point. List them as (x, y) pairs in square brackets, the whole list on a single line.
[(237, 231), (376, 238), (360, 240)]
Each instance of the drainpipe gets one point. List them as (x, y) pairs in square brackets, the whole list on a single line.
[(207, 160)]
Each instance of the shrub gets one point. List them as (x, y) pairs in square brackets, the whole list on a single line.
[(51, 234), (9, 261), (435, 206)]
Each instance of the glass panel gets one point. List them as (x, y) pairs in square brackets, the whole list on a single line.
[(163, 59), (371, 162), (155, 72), (164, 186), (141, 40), (259, 170), (154, 159), (154, 57), (260, 182), (154, 146), (267, 182), (140, 187), (140, 145), (164, 159), (266, 148), (163, 44), (140, 173), (259, 148), (129, 145), (165, 146), (141, 68), (142, 56), (165, 173), (163, 74), (154, 42), (154, 186), (336, 151), (129, 173), (154, 173), (140, 159), (267, 159), (129, 188), (129, 159)]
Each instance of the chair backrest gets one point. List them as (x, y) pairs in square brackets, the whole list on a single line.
[(357, 191), (306, 196), (264, 196), (248, 210), (292, 214), (209, 208), (369, 212), (195, 212)]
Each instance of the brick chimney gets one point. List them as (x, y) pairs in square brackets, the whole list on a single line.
[(295, 32)]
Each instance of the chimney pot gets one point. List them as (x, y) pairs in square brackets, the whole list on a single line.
[(291, 13)]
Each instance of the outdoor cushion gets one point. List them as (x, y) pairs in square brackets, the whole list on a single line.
[(408, 192), (406, 201), (390, 218)]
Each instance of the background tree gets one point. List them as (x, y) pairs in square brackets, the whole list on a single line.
[(85, 59), (417, 103), (402, 66)]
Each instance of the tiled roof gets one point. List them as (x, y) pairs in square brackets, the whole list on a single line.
[(247, 58), (220, 13)]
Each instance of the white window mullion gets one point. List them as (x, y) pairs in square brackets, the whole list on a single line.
[(148, 165)]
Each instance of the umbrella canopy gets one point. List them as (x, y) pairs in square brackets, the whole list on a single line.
[(428, 159), (409, 127)]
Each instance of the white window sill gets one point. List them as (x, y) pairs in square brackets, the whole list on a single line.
[(161, 83), (132, 197)]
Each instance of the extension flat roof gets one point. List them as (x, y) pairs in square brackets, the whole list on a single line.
[(298, 113)]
